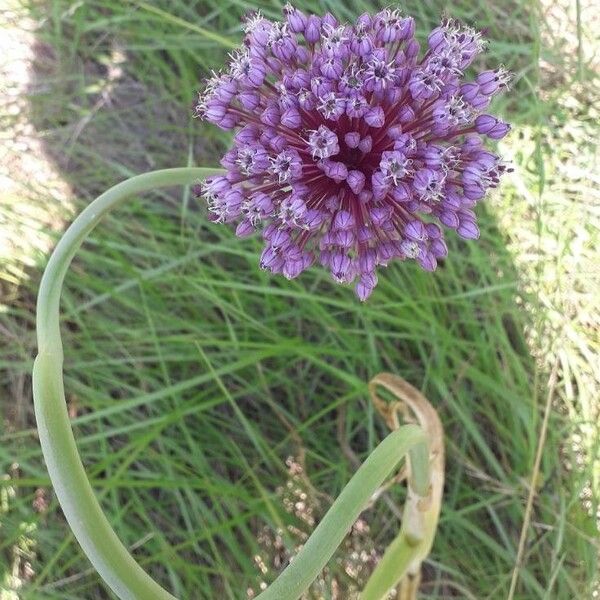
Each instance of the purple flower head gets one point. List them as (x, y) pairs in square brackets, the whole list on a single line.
[(349, 147)]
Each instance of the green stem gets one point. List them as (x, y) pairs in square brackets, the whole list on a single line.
[(73, 489), (80, 507), (404, 554), (334, 526)]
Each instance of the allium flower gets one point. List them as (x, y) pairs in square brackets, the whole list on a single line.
[(348, 146)]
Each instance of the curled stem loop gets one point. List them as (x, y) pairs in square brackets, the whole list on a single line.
[(90, 526)]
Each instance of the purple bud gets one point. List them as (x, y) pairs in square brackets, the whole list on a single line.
[(352, 139), (229, 121), (247, 135), (366, 144), (228, 160), (439, 249), (361, 44), (449, 218), (379, 185), (332, 68), (408, 28), (271, 260), (314, 218), (278, 143), (412, 49), (356, 181), (244, 228), (381, 215), (280, 239), (327, 240), (312, 31), (364, 22), (296, 19), (272, 64), (329, 21), (473, 192), (405, 143), (216, 184), (406, 114), (488, 82), (436, 38), (365, 234), (301, 79), (343, 220), (215, 111), (469, 91), (375, 117), (367, 259), (256, 74), (335, 170), (492, 127), (287, 100), (394, 132), (291, 118), (341, 267), (345, 239), (333, 202), (292, 268), (283, 45), (386, 251), (233, 199), (415, 230), (302, 55), (249, 99), (433, 231), (480, 102), (271, 115), (365, 286), (427, 261), (402, 192), (468, 230)]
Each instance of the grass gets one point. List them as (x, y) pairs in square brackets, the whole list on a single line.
[(191, 375)]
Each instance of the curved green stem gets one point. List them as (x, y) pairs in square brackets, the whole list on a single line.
[(73, 489), (80, 507), (334, 526)]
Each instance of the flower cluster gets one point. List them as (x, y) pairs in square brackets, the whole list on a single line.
[(349, 146)]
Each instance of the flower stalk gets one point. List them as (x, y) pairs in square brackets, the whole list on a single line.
[(92, 529), (402, 560)]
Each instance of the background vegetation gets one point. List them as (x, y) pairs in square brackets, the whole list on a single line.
[(192, 376)]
